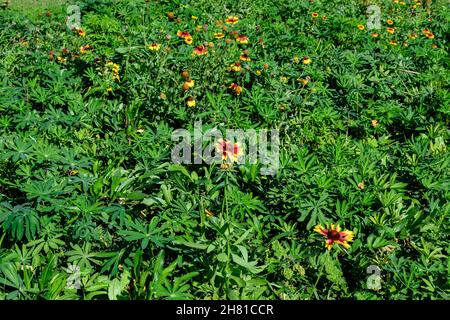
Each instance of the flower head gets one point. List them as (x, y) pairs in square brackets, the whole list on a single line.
[(306, 60), (335, 235), (236, 88), (229, 151), (188, 84), (390, 30), (85, 48), (361, 27), (190, 101), (154, 46), (390, 22), (232, 20), (235, 67), (183, 34), (219, 35), (244, 57), (200, 50), (242, 39), (314, 15), (374, 34), (80, 32)]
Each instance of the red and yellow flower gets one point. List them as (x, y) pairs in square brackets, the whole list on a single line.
[(229, 151), (190, 101), (244, 57), (232, 20), (200, 50), (361, 27), (219, 35), (183, 34), (188, 84), (154, 46), (314, 15), (333, 234), (235, 67), (242, 39), (85, 48), (306, 60), (390, 30), (236, 88)]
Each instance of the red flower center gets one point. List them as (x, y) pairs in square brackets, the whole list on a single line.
[(333, 235)]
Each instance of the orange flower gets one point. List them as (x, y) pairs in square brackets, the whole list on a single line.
[(200, 50), (374, 123), (314, 15), (188, 84), (374, 34), (80, 32), (413, 35), (236, 88), (390, 22), (232, 20), (183, 34), (426, 31), (242, 39), (244, 57), (188, 40), (430, 35), (324, 18), (392, 42), (361, 27), (85, 48), (390, 30), (335, 235)]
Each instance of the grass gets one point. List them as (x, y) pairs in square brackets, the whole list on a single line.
[(93, 205)]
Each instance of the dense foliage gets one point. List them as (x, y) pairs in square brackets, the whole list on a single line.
[(88, 187)]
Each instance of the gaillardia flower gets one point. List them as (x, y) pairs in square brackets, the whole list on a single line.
[(235, 67), (190, 101), (200, 50), (361, 27), (229, 151), (85, 48), (244, 57), (306, 60), (390, 30), (154, 47), (314, 15), (242, 39), (335, 235), (183, 34), (236, 88), (188, 84), (219, 35), (232, 20)]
